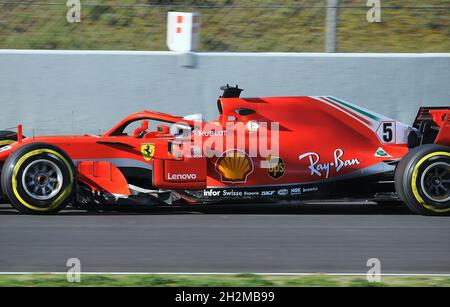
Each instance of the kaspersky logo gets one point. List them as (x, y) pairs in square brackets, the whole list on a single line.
[(234, 166)]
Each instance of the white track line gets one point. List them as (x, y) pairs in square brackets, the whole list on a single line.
[(236, 273), (226, 54)]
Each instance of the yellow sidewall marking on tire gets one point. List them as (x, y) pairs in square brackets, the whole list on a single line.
[(6, 142), (60, 198), (414, 180)]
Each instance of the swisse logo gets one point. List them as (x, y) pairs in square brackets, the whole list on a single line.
[(181, 176), (283, 192)]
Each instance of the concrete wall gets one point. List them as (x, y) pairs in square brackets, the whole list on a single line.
[(84, 91)]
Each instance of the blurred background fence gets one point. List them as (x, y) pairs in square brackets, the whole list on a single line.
[(228, 25)]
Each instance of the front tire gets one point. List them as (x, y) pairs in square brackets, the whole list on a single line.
[(422, 180), (39, 178)]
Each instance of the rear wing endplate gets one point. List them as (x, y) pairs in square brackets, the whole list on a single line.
[(435, 114), (433, 124)]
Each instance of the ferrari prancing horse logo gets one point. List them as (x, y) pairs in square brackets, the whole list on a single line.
[(147, 150)]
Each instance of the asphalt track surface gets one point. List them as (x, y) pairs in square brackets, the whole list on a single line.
[(327, 238)]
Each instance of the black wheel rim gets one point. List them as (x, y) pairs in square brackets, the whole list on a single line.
[(435, 182), (42, 179)]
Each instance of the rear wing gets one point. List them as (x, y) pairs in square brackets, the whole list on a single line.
[(435, 114), (433, 124)]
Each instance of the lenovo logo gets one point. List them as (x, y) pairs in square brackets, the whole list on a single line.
[(188, 177)]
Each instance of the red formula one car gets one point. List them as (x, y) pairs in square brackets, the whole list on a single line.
[(307, 148)]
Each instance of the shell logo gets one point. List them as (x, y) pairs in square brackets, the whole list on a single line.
[(234, 166)]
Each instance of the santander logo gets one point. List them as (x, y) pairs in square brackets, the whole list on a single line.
[(319, 169), (181, 176)]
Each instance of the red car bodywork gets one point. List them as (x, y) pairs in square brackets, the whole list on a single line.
[(327, 148)]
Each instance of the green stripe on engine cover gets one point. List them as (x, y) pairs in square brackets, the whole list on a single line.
[(376, 118)]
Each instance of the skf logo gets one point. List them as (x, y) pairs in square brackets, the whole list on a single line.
[(276, 167), (234, 166), (148, 151), (267, 193)]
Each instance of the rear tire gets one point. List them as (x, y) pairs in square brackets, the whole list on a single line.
[(39, 178), (7, 137), (422, 180)]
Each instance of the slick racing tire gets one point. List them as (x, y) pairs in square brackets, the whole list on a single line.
[(39, 178), (7, 137), (422, 180), (3, 198)]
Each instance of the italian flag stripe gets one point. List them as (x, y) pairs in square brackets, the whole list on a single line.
[(347, 111), (374, 117)]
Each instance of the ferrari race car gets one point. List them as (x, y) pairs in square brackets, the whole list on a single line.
[(259, 149)]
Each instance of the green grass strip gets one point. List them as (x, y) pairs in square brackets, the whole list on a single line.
[(238, 280)]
